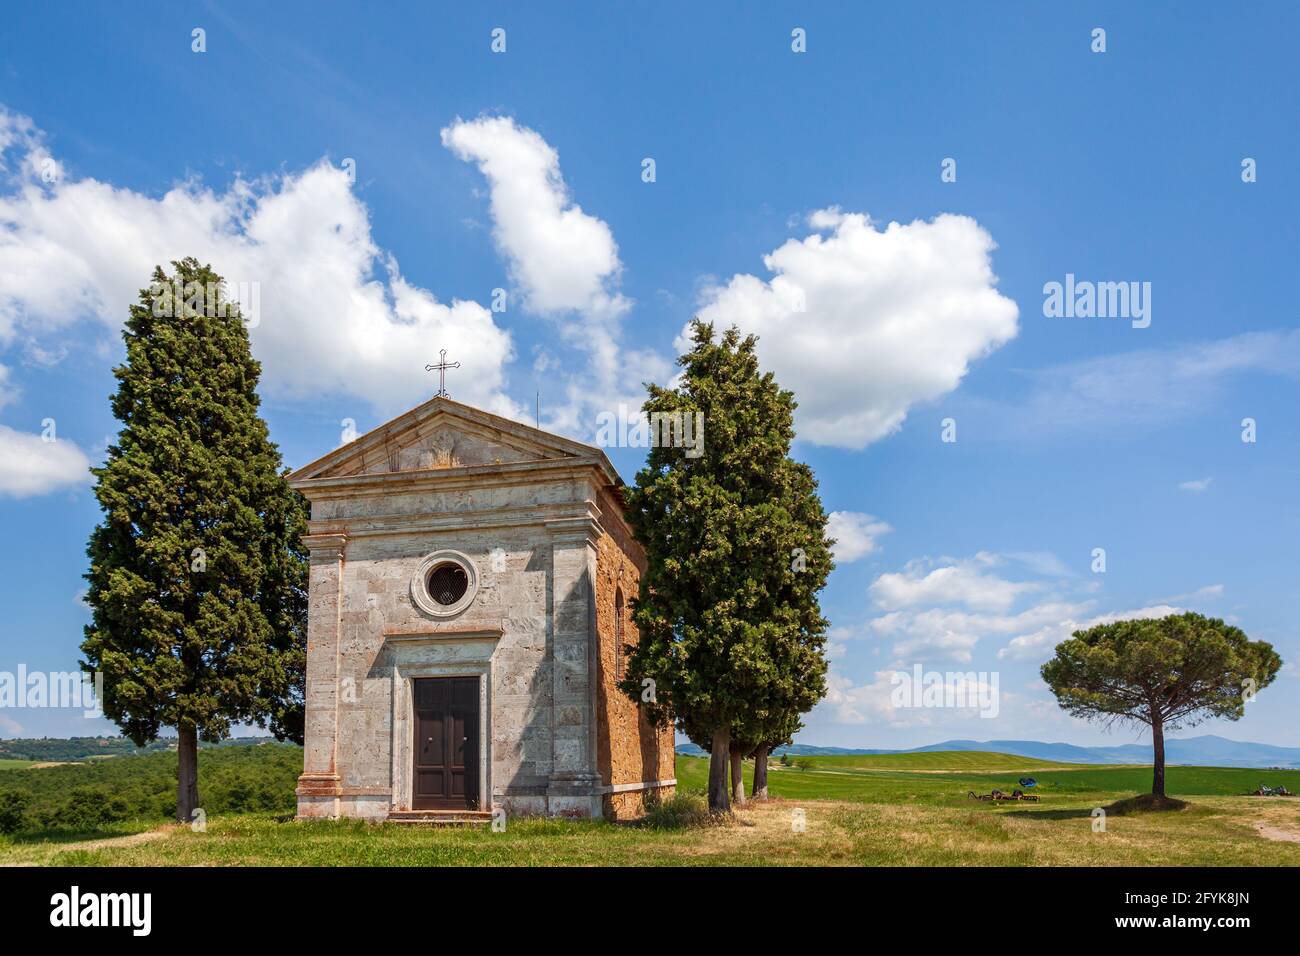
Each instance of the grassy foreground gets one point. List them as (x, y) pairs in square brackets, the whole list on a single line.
[(856, 810)]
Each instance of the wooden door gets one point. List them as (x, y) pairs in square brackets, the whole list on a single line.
[(446, 744)]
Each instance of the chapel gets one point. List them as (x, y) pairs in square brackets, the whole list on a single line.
[(469, 617)]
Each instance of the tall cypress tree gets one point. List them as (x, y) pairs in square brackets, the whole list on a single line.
[(731, 630), (197, 575)]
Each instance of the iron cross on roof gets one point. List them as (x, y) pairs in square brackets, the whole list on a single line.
[(442, 367)]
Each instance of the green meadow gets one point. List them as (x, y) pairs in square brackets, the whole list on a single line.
[(896, 809), (947, 778)]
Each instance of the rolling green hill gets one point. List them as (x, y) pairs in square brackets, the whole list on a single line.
[(941, 778), (967, 760)]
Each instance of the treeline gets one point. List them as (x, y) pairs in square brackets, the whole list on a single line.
[(73, 748), (57, 749), (87, 796)]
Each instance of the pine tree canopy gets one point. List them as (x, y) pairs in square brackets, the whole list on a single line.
[(1174, 671)]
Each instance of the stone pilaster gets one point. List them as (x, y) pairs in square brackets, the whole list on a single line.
[(318, 787), (575, 781)]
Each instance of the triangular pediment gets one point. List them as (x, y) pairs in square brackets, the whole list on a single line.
[(442, 435)]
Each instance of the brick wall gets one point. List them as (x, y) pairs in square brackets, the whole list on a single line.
[(629, 749)]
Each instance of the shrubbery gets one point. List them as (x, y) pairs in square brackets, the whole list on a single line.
[(91, 795), (679, 812), (13, 810)]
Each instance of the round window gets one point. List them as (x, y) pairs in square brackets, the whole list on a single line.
[(447, 583), (444, 584)]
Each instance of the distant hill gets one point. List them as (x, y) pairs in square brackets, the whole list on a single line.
[(62, 749), (1205, 751)]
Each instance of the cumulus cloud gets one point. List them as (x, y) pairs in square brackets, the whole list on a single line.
[(865, 323), (952, 634), (1040, 643), (563, 261), (856, 534), (30, 466), (334, 313), (967, 582), (888, 699), (941, 609), (562, 258)]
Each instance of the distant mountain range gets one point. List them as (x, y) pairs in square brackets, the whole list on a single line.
[(1204, 751)]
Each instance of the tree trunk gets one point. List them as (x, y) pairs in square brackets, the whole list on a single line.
[(187, 773), (1158, 742), (719, 799), (738, 778), (759, 790)]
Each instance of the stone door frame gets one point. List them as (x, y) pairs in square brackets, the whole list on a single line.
[(403, 724)]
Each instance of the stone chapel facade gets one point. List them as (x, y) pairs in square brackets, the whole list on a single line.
[(469, 615)]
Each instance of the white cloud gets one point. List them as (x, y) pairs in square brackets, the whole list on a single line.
[(1200, 484), (336, 314), (1210, 592), (941, 633), (863, 323), (941, 609), (851, 703), (30, 466), (564, 262), (877, 701), (1147, 386), (855, 534), (1042, 562), (562, 258), (1040, 643), (966, 582), (823, 219), (8, 390)]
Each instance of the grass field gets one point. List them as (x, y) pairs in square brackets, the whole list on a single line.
[(909, 809), (7, 764), (948, 760)]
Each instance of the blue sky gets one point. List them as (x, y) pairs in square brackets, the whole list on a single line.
[(777, 176)]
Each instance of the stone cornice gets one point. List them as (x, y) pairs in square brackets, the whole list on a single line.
[(325, 544), (585, 527), (455, 633), (366, 526), (447, 479)]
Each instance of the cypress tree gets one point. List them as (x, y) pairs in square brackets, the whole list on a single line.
[(197, 576), (732, 634)]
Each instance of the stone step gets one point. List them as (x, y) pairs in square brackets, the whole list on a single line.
[(441, 817)]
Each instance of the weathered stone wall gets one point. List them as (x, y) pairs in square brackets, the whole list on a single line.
[(630, 750), (512, 595), (519, 593)]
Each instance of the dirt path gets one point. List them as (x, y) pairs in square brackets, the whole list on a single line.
[(110, 843), (1277, 833)]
